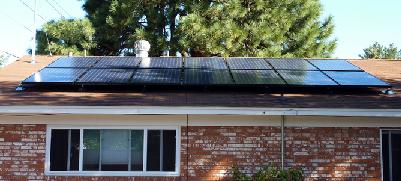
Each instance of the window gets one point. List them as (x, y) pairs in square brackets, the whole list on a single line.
[(391, 155), (112, 151)]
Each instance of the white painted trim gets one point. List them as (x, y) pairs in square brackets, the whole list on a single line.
[(112, 173), (182, 110)]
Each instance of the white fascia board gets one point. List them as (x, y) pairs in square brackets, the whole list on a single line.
[(182, 110)]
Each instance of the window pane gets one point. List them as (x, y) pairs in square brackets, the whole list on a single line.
[(115, 150), (153, 152), (74, 157), (161, 150), (64, 150), (385, 156), (169, 150), (91, 150), (137, 150), (59, 150), (396, 155)]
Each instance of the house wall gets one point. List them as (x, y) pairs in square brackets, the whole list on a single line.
[(349, 150)]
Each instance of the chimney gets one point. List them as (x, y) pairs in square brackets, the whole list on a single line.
[(142, 48)]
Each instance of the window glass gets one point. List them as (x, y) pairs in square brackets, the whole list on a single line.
[(91, 150), (115, 150), (161, 150), (64, 150), (137, 150), (396, 155)]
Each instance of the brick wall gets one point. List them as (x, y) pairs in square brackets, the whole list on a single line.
[(336, 153), (22, 152), (208, 152)]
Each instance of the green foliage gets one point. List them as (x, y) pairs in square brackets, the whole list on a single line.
[(257, 28), (268, 174), (378, 51), (119, 23), (64, 36), (274, 28)]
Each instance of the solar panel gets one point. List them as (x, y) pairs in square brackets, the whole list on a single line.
[(205, 63), (161, 62), (334, 65), (291, 64), (55, 75), (118, 62), (306, 78), (248, 63), (356, 79), (207, 77), (111, 76), (156, 76), (258, 77), (74, 62)]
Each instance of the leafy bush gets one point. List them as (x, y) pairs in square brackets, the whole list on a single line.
[(268, 174)]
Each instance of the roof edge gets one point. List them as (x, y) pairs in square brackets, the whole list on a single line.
[(183, 110)]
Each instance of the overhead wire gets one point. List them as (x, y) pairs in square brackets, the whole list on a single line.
[(29, 7), (55, 9), (61, 7)]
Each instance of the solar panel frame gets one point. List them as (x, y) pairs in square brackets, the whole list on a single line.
[(205, 63), (55, 76), (334, 65), (257, 77), (161, 62), (106, 76), (248, 64), (356, 79), (306, 78), (164, 77), (74, 62), (207, 77), (118, 63), (291, 64)]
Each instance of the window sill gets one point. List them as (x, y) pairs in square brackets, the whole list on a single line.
[(112, 173)]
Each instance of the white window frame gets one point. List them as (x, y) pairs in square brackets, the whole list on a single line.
[(113, 173), (381, 149)]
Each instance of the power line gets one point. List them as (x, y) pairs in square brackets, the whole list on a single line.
[(55, 9), (29, 7), (68, 14), (15, 21)]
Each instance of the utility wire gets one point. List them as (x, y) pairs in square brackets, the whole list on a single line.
[(29, 7), (15, 21), (68, 14), (55, 9)]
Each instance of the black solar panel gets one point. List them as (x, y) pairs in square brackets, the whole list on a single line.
[(307, 78), (74, 62), (257, 77), (156, 76), (205, 63), (110, 76), (203, 71), (334, 65), (161, 62), (248, 63), (356, 79), (291, 64), (55, 75), (118, 62), (207, 77)]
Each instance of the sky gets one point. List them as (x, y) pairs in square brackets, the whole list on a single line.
[(358, 23)]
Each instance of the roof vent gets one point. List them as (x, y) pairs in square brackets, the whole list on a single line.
[(142, 48)]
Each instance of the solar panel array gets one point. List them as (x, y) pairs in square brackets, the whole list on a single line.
[(205, 71)]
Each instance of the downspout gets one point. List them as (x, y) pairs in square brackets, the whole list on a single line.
[(282, 141)]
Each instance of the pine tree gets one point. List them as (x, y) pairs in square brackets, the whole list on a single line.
[(272, 28)]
